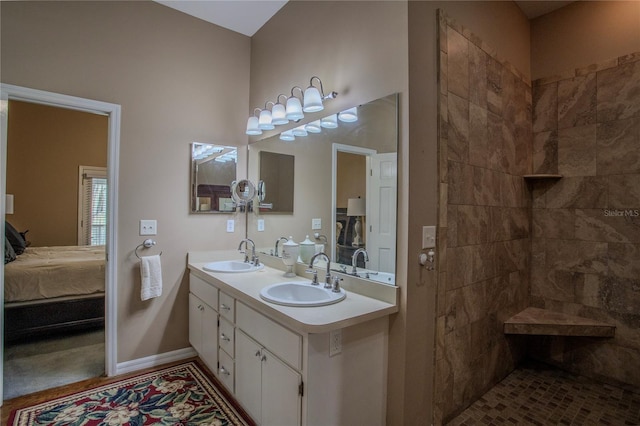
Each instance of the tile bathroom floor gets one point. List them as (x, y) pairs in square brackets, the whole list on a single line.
[(536, 394)]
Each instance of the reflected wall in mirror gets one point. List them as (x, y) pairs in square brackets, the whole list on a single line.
[(322, 192), (276, 184), (213, 170)]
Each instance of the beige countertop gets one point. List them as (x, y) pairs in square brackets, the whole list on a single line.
[(245, 287)]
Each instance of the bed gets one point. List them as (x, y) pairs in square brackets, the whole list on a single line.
[(54, 289)]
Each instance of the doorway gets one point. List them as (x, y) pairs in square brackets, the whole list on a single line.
[(112, 112)]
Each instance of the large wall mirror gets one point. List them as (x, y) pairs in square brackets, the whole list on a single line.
[(345, 181), (213, 172)]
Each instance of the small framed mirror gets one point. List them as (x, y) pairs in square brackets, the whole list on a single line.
[(213, 171)]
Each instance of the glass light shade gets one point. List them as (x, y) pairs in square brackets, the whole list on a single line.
[(349, 115), (330, 122), (264, 122), (252, 126), (279, 115), (313, 127), (287, 136), (312, 100), (299, 131), (294, 109)]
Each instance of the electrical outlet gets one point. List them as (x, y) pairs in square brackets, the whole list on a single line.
[(316, 223), (148, 227), (260, 225), (428, 236), (335, 342), (230, 225)]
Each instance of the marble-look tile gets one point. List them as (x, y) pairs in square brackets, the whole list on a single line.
[(458, 131), (577, 151), (624, 193), (458, 63), (545, 152), (473, 225), (509, 99), (494, 141), (589, 192), (486, 187), (450, 312), (442, 245), (577, 101), (477, 76), (631, 57), (481, 335), (508, 160), (442, 291), (605, 360), (554, 223), (452, 226), (484, 262), (513, 190), (443, 194), (478, 136), (460, 183), (545, 108), (470, 304), (618, 145), (560, 285), (459, 266), (494, 86), (516, 222), (443, 77), (618, 90), (577, 256), (512, 255), (589, 69), (624, 260), (607, 226)]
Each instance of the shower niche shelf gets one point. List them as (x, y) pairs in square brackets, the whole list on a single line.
[(549, 323), (542, 176)]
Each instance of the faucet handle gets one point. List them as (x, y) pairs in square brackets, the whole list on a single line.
[(336, 284), (314, 281)]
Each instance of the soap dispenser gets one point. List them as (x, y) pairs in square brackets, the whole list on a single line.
[(307, 250), (290, 251)]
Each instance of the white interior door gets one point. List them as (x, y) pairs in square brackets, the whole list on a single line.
[(381, 212)]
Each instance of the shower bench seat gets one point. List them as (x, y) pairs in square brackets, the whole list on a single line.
[(545, 322)]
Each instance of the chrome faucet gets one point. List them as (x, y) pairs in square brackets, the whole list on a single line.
[(254, 258), (327, 277), (354, 259), (275, 253)]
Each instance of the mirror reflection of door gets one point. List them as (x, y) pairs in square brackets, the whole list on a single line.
[(54, 326), (351, 184)]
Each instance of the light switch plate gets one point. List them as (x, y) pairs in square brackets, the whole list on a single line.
[(316, 223), (148, 227), (260, 225), (231, 225), (428, 236)]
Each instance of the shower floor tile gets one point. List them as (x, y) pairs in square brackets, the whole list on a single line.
[(540, 395)]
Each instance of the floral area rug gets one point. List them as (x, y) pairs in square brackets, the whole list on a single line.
[(178, 395)]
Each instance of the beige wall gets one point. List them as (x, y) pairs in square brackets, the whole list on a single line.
[(45, 147), (178, 80), (583, 33)]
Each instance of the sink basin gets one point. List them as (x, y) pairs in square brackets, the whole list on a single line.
[(301, 293), (231, 266)]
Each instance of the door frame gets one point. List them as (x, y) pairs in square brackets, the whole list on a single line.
[(12, 92)]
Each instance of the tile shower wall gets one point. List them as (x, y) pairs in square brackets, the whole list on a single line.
[(484, 217), (586, 226)]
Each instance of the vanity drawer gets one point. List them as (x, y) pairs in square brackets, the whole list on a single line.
[(281, 341), (203, 290), (226, 370), (226, 337), (226, 307)]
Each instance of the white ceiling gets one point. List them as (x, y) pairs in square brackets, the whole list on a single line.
[(248, 16)]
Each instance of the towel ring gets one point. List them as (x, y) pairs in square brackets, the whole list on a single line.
[(148, 243)]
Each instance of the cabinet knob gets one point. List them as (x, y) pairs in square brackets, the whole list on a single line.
[(225, 307), (224, 337), (257, 353), (264, 358), (224, 371)]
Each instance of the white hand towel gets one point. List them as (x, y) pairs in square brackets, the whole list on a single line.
[(151, 274)]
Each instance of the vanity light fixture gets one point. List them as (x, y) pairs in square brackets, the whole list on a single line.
[(287, 136), (279, 112), (252, 125), (294, 107), (264, 121), (330, 121), (313, 97), (349, 115), (313, 127), (300, 131)]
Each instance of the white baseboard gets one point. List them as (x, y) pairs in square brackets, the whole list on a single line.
[(154, 360)]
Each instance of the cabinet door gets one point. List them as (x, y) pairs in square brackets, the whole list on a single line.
[(195, 322), (248, 375), (281, 399), (209, 345)]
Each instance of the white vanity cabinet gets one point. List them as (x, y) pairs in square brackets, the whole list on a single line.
[(203, 321)]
